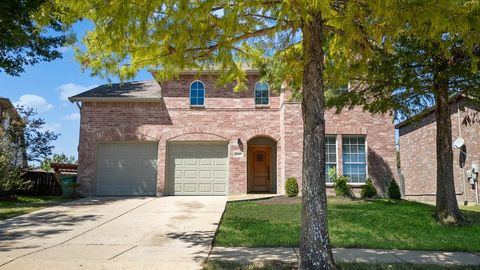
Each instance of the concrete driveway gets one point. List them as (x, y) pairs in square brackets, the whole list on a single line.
[(113, 233)]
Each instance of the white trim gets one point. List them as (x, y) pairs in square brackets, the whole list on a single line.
[(190, 95), (336, 155), (268, 95)]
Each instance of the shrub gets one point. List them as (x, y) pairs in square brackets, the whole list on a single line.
[(340, 184), (368, 190), (291, 187), (394, 190), (12, 181)]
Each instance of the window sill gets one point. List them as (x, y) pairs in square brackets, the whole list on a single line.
[(266, 106), (197, 106), (349, 184)]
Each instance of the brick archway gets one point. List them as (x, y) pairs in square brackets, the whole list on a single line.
[(264, 132), (191, 133), (126, 134)]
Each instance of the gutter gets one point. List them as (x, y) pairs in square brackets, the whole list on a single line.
[(113, 99)]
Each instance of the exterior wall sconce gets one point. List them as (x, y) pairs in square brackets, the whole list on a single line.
[(240, 144)]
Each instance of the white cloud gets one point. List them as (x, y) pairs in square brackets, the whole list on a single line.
[(35, 102), (64, 49), (52, 127), (72, 117), (70, 89)]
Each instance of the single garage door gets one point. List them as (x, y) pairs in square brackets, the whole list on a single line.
[(126, 169), (197, 168)]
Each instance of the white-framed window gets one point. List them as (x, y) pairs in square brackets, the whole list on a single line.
[(355, 158), (344, 88), (261, 93), (197, 94), (330, 155)]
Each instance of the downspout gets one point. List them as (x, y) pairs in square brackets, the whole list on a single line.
[(459, 112)]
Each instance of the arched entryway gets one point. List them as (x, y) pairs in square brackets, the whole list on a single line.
[(262, 165)]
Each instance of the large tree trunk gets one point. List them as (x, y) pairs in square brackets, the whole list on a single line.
[(447, 211), (315, 251)]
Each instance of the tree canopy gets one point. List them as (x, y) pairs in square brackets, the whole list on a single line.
[(22, 41), (29, 138)]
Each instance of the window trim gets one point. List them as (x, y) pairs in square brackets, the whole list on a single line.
[(353, 163), (268, 95), (348, 88), (336, 156), (190, 95)]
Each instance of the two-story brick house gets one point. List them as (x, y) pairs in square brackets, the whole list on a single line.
[(191, 137)]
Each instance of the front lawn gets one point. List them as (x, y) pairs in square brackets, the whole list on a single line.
[(26, 204), (380, 224), (276, 265)]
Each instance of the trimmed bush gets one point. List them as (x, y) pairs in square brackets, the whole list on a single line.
[(291, 187), (340, 184), (394, 190), (368, 190)]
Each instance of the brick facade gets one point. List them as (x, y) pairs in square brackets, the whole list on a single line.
[(418, 154), (230, 117)]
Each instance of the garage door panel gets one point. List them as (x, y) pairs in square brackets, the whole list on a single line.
[(205, 187), (126, 169), (198, 168), (221, 187)]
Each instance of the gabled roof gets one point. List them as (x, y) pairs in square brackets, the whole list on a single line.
[(136, 90), (6, 103)]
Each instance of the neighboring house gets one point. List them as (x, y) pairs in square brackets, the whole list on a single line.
[(8, 114), (418, 152), (190, 137)]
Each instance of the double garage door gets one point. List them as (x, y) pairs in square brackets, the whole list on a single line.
[(130, 169)]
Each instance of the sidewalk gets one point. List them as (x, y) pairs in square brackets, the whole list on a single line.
[(245, 255)]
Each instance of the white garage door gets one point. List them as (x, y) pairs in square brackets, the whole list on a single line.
[(126, 169), (197, 168)]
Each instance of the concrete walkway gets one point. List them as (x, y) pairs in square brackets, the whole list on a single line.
[(246, 255), (113, 233)]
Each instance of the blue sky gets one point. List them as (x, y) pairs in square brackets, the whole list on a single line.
[(46, 86)]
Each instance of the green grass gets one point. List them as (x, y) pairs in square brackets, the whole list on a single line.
[(378, 224), (276, 265), (27, 204)]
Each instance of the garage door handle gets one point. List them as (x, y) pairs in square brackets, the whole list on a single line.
[(268, 171)]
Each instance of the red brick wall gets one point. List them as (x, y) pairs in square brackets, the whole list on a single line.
[(418, 156), (379, 132), (227, 116)]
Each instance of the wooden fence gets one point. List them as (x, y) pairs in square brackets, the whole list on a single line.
[(41, 184)]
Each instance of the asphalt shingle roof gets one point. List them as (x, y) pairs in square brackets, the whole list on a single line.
[(128, 90)]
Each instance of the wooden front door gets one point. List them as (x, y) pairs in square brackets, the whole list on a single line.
[(259, 168)]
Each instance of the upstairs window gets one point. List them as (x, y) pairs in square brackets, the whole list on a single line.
[(261, 93), (197, 94)]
